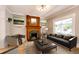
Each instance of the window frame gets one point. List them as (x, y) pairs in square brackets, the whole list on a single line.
[(61, 22), (66, 17)]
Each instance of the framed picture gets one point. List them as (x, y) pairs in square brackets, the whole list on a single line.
[(18, 22)]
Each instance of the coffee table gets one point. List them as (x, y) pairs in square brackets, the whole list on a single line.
[(45, 46)]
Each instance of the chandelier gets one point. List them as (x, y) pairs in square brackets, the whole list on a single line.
[(43, 8)]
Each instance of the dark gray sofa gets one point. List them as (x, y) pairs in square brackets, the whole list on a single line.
[(67, 41)]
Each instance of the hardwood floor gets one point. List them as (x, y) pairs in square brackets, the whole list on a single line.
[(4, 50), (29, 48)]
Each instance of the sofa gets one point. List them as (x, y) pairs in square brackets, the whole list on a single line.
[(65, 40)]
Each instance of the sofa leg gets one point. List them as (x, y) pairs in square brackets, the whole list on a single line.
[(56, 48), (69, 49)]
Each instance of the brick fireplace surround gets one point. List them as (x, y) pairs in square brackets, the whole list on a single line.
[(32, 27)]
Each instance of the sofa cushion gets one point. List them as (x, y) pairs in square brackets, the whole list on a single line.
[(60, 39), (67, 37), (52, 34), (59, 36), (65, 41)]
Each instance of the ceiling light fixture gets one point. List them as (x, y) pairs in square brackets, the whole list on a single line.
[(43, 7)]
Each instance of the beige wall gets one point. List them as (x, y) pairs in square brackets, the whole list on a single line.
[(50, 26), (77, 23), (74, 13)]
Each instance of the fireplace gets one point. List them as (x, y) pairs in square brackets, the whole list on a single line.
[(32, 27), (34, 35)]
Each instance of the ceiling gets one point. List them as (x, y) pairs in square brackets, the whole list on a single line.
[(32, 10)]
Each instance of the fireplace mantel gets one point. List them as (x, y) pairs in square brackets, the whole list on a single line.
[(30, 27)]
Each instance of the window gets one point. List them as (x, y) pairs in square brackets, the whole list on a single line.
[(43, 24), (63, 26)]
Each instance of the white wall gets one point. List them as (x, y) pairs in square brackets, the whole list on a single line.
[(6, 28), (12, 29), (18, 29), (8, 25), (2, 26)]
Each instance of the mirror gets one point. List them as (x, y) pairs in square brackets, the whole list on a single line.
[(33, 20)]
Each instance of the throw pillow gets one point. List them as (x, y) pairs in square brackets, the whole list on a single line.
[(67, 37)]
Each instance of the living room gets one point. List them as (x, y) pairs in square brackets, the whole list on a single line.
[(62, 20)]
